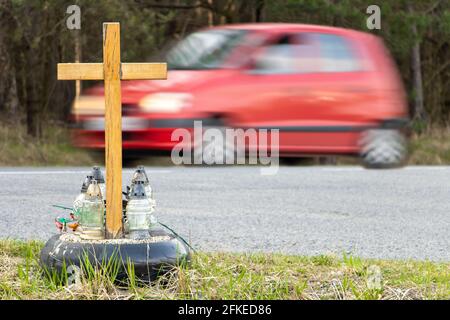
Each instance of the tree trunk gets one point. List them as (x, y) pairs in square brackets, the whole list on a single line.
[(9, 101), (32, 78), (32, 101), (416, 67), (210, 15), (259, 11)]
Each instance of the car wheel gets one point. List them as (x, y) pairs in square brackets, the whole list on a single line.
[(215, 152), (383, 148)]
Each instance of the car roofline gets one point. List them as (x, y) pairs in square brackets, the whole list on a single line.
[(281, 26)]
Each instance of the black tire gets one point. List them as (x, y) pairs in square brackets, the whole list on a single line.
[(296, 161), (149, 260)]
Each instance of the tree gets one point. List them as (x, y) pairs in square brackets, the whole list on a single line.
[(9, 101)]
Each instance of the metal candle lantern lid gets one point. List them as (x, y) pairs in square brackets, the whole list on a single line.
[(86, 183), (137, 190), (139, 175), (97, 174), (93, 191), (145, 173)]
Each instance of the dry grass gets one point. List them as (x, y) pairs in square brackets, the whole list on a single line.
[(431, 147), (232, 276), (19, 149)]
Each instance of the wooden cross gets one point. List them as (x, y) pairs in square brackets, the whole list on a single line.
[(112, 71)]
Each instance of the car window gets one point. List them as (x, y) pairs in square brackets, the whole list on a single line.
[(204, 49), (336, 54), (290, 54), (307, 53)]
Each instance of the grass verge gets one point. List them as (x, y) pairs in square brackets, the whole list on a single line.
[(234, 276), (431, 147), (53, 149)]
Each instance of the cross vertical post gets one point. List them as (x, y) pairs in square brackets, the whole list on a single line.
[(113, 129)]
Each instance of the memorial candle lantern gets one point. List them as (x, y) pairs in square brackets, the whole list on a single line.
[(91, 217), (139, 218), (77, 204)]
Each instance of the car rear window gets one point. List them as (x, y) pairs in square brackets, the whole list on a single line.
[(308, 53)]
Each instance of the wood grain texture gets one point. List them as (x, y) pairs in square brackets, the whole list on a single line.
[(144, 71), (113, 129), (129, 71), (80, 71)]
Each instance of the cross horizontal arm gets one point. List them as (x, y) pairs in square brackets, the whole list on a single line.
[(144, 71), (80, 71), (129, 71)]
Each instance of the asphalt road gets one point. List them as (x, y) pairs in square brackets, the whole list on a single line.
[(402, 213)]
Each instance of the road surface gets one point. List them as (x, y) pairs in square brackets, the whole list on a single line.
[(402, 213)]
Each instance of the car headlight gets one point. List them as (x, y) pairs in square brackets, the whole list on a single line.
[(165, 102), (89, 105)]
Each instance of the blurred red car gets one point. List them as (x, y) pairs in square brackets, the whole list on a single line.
[(330, 91)]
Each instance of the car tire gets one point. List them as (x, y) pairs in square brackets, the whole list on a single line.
[(212, 153), (383, 149)]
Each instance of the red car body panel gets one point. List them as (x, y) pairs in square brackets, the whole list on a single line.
[(316, 112)]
